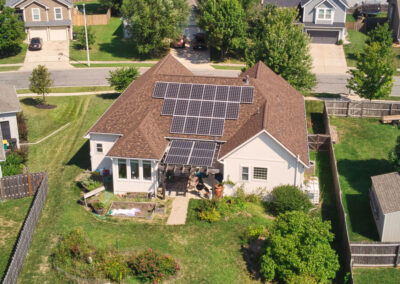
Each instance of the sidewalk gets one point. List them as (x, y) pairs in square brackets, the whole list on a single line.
[(69, 94)]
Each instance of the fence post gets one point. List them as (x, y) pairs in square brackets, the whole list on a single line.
[(348, 108), (362, 109), (29, 184), (390, 109), (396, 261)]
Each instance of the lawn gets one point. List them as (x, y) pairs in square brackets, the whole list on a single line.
[(18, 58), (12, 216), (84, 65), (314, 116), (227, 67), (362, 152), (109, 44), (92, 8), (206, 252), (350, 18), (376, 275), (71, 89), (9, 68)]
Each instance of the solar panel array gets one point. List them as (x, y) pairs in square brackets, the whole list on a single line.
[(199, 108), (189, 152)]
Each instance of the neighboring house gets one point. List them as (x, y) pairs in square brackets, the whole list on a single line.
[(385, 205), (47, 19), (9, 106), (324, 20), (250, 129), (394, 18), (2, 153)]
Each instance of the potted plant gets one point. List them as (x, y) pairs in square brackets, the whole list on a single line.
[(98, 207)]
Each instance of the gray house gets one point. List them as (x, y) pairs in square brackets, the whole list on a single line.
[(385, 205), (394, 18), (2, 153), (9, 107), (324, 20)]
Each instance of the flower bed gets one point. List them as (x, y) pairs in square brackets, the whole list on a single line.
[(132, 209)]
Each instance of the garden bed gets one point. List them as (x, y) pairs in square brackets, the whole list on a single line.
[(132, 209)]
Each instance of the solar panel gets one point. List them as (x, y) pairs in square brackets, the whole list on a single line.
[(191, 125), (205, 145), (232, 111), (206, 109), (204, 126), (168, 107), (178, 122), (159, 90), (196, 153), (179, 151), (181, 107), (200, 161), (234, 94), (188, 144), (217, 127), (247, 95), (194, 108), (201, 153), (197, 92), (222, 93), (219, 109), (172, 90), (184, 91), (180, 160), (209, 92)]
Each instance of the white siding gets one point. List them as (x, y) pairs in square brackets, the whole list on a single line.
[(262, 151), (391, 228), (12, 119), (378, 214), (122, 186), (99, 160)]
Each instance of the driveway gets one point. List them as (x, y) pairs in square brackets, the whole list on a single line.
[(54, 54), (328, 59)]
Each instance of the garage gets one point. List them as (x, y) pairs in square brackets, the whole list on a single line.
[(38, 32), (58, 33), (328, 37)]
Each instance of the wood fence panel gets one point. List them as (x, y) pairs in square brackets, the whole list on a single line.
[(15, 187), (91, 20), (361, 108), (375, 254), (318, 142)]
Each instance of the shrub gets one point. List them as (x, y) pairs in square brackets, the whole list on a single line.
[(122, 77), (73, 245), (210, 215), (81, 37), (22, 128), (22, 152), (254, 232), (302, 279), (115, 268), (154, 267), (340, 42), (289, 198), (12, 165), (98, 205), (89, 183)]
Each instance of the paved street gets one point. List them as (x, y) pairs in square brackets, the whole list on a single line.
[(97, 77)]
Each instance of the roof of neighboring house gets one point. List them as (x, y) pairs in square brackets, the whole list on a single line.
[(8, 99), (277, 108), (13, 3), (60, 23), (304, 2), (333, 25), (283, 3), (2, 151), (387, 189)]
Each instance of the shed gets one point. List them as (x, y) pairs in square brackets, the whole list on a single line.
[(385, 205), (2, 153), (9, 107)]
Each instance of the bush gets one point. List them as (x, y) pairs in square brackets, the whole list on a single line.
[(89, 183), (22, 152), (22, 128), (13, 165), (254, 232), (98, 205), (151, 266), (210, 215), (72, 245), (340, 42), (115, 268), (81, 37), (289, 198), (122, 77)]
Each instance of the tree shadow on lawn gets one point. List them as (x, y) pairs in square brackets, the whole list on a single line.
[(358, 175), (251, 254), (81, 157), (112, 96), (317, 120), (29, 101)]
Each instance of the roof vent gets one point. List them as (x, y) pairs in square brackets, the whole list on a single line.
[(246, 80)]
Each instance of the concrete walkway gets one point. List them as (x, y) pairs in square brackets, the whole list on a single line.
[(69, 94), (179, 210)]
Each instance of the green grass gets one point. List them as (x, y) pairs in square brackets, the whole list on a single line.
[(227, 67), (350, 18), (83, 65), (18, 58), (9, 68), (12, 216), (315, 120), (376, 275), (109, 45), (206, 252), (362, 152), (357, 43), (71, 89), (92, 8)]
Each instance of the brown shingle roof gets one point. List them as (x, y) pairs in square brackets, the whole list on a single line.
[(387, 189), (277, 108)]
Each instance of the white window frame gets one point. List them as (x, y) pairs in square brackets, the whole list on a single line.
[(248, 173), (33, 14), (99, 146), (253, 172), (55, 14), (325, 18), (127, 165), (142, 171), (130, 170)]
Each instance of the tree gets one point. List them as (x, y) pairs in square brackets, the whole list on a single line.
[(373, 77), (122, 77), (282, 45), (223, 22), (81, 37), (114, 5), (12, 31), (289, 198), (299, 245), (394, 155), (153, 22), (381, 35), (40, 81)]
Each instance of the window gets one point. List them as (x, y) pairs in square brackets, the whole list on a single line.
[(260, 173), (134, 169), (58, 14), (324, 14), (122, 169), (245, 173), (147, 170), (99, 148), (35, 14)]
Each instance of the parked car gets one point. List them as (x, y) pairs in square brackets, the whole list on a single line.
[(199, 42), (179, 43), (36, 43)]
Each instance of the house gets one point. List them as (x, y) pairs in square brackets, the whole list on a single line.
[(9, 107), (394, 18), (385, 205), (251, 130), (2, 153), (324, 20), (47, 19)]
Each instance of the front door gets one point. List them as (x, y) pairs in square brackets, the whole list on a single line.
[(5, 130)]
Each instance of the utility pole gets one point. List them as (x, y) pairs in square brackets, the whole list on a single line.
[(87, 42)]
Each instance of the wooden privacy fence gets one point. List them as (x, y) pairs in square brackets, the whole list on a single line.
[(361, 108), (375, 254), (356, 26), (91, 20), (19, 186), (319, 142), (28, 229)]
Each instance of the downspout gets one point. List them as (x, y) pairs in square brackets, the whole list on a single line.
[(297, 166)]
